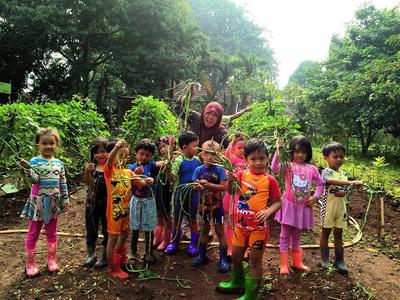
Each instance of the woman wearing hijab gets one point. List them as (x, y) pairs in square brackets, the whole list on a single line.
[(206, 125)]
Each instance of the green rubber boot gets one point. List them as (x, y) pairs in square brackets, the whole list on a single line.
[(252, 288), (236, 285)]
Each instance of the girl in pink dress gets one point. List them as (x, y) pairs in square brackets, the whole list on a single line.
[(235, 154), (296, 212)]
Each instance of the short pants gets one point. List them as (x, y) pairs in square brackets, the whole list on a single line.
[(216, 215), (254, 239), (335, 214), (143, 213)]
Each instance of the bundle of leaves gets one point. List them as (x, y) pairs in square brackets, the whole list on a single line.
[(76, 121), (149, 118)]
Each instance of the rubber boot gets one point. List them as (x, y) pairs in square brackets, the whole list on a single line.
[(101, 263), (201, 259), (149, 256), (166, 240), (252, 288), (115, 270), (339, 261), (174, 245), (236, 285), (192, 250), (30, 265), (134, 243), (223, 265), (51, 257), (325, 257), (90, 257), (157, 236), (284, 263), (297, 260)]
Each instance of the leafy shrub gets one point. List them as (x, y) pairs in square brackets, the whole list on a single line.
[(76, 121), (148, 118)]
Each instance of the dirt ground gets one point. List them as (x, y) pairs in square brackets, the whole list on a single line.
[(374, 268)]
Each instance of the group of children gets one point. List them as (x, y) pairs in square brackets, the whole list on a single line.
[(155, 196)]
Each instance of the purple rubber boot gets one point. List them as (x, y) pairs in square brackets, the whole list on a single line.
[(174, 245), (192, 249)]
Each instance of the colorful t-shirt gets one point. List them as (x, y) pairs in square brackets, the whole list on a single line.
[(333, 192), (49, 190), (257, 191), (183, 168), (118, 182), (213, 174), (150, 170)]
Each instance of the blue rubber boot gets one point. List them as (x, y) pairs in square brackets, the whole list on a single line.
[(174, 245), (192, 249), (201, 259), (223, 265)]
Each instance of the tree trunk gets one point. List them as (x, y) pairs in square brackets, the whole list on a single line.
[(85, 69)]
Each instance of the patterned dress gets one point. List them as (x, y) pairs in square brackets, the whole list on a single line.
[(49, 190)]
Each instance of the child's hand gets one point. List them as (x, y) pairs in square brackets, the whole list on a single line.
[(279, 144), (262, 215), (148, 181), (231, 176), (204, 183), (24, 163), (310, 202), (120, 144), (198, 187), (139, 170), (89, 167), (357, 182)]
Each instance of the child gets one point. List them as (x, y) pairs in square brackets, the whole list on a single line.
[(333, 206), (182, 171), (119, 183), (143, 214), (212, 184), (258, 190), (166, 147), (49, 196), (235, 154), (96, 202), (296, 212)]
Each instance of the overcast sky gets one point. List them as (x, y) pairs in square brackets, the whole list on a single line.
[(302, 29)]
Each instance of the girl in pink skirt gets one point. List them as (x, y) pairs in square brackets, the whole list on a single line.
[(296, 212)]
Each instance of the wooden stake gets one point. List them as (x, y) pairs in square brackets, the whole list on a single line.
[(382, 216)]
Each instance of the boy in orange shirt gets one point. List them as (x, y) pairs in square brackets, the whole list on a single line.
[(259, 199), (119, 181)]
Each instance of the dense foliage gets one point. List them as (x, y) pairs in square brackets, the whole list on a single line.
[(148, 118), (76, 121)]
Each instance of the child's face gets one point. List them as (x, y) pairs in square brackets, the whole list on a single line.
[(101, 156), (207, 156), (257, 161), (143, 156), (163, 149), (238, 149), (47, 145), (299, 155), (335, 159), (190, 149)]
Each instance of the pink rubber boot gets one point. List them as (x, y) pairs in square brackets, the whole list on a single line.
[(157, 236), (30, 266), (51, 257), (166, 240)]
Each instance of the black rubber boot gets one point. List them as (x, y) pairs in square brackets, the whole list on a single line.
[(134, 242), (101, 263), (90, 257), (325, 257), (149, 256), (339, 261)]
